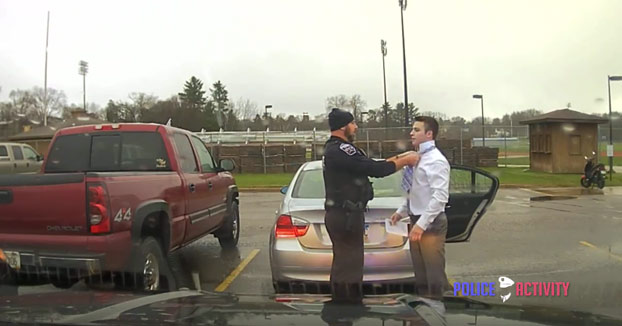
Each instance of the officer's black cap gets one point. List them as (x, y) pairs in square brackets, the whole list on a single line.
[(339, 118)]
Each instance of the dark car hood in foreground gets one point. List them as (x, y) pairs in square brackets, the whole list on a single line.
[(202, 308)]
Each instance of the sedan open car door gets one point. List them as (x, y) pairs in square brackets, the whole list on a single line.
[(471, 192)]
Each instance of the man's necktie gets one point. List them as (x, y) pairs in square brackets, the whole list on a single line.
[(407, 178)]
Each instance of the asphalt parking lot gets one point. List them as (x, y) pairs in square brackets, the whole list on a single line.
[(574, 238)]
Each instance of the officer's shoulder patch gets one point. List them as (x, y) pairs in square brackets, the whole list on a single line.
[(348, 149)]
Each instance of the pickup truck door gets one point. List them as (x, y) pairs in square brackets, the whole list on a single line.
[(33, 164), (6, 163), (19, 163), (195, 187), (216, 186)]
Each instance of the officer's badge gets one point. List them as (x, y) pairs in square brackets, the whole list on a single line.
[(348, 149)]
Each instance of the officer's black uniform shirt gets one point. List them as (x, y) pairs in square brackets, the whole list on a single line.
[(346, 170)]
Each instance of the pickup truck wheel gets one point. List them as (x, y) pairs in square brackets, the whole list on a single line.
[(146, 271), (8, 282), (64, 284), (229, 234)]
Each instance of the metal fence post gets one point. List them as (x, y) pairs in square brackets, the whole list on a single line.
[(461, 145), (505, 144), (313, 145), (263, 153), (367, 132)]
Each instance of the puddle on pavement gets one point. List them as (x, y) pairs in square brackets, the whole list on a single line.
[(568, 192), (545, 198)]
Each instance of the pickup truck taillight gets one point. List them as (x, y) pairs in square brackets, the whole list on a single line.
[(99, 219), (288, 227)]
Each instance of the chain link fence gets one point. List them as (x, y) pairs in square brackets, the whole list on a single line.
[(463, 145)]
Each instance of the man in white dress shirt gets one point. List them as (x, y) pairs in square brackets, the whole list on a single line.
[(427, 187)]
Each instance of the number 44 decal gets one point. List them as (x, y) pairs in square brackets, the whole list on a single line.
[(124, 214)]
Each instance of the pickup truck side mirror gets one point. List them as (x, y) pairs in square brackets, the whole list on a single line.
[(284, 190), (227, 164), (39, 158)]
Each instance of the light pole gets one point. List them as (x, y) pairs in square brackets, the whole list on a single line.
[(609, 79), (269, 106), (383, 49), (481, 98), (84, 69), (45, 78), (402, 9)]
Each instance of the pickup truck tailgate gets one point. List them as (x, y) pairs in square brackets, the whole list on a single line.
[(51, 204)]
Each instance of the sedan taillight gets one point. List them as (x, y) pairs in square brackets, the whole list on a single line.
[(288, 227)]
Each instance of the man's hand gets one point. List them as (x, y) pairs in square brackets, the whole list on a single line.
[(412, 158), (395, 218), (415, 233), (407, 158)]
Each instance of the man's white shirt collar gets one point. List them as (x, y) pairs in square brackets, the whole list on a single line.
[(425, 146)]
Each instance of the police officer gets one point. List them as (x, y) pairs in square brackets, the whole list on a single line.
[(346, 171)]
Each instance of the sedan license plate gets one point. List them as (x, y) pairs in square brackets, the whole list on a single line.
[(13, 259)]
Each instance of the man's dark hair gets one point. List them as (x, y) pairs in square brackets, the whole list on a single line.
[(429, 124)]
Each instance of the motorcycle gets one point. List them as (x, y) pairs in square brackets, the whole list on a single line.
[(593, 174)]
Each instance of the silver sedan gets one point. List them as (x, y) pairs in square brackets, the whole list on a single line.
[(301, 250)]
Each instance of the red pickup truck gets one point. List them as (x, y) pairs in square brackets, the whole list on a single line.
[(113, 201)]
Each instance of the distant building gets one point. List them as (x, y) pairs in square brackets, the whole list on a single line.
[(39, 137), (559, 140)]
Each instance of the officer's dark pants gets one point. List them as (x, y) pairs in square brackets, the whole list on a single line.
[(346, 229), (428, 256)]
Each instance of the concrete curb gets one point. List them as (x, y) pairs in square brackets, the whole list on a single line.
[(260, 189)]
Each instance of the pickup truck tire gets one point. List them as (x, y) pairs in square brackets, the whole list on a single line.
[(8, 282), (64, 284), (229, 234), (147, 268)]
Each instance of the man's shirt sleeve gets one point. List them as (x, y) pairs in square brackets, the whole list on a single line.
[(438, 178)]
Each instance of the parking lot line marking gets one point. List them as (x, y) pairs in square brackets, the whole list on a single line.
[(452, 281), (225, 284), (587, 244)]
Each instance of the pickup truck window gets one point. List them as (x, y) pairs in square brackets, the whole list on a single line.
[(29, 154), (187, 161), (3, 151), (207, 163), (17, 153), (105, 151)]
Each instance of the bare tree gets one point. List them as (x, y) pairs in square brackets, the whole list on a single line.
[(338, 101), (7, 112), (437, 115), (57, 100), (358, 106), (23, 101), (143, 101), (245, 109), (140, 103)]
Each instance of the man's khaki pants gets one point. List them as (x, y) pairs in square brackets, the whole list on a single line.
[(428, 256)]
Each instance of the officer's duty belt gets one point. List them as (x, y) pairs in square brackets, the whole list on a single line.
[(352, 206)]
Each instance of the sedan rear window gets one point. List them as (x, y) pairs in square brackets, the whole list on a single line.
[(310, 184), (107, 152)]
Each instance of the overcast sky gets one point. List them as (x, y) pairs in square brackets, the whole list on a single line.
[(294, 54)]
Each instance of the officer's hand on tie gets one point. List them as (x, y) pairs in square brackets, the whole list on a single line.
[(412, 158), (407, 158)]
